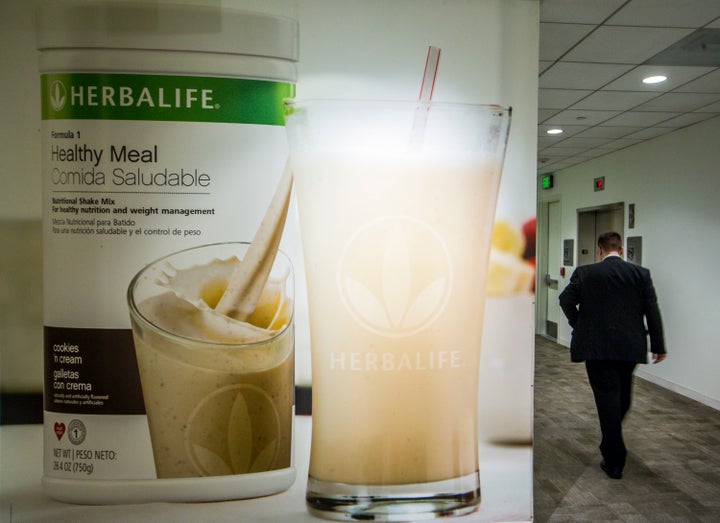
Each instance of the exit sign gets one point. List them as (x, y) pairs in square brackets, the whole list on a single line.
[(546, 182), (600, 183)]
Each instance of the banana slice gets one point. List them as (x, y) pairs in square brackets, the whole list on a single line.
[(508, 274), (507, 238)]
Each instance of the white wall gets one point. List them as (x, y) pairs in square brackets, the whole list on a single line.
[(20, 183), (673, 182)]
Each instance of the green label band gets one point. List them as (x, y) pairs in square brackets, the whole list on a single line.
[(93, 96)]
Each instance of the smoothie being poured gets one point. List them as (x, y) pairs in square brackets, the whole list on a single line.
[(231, 300), (214, 342)]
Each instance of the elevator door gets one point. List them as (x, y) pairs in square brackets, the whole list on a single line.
[(591, 224)]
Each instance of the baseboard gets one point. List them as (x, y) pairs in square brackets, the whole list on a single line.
[(674, 387), (562, 341), (661, 382)]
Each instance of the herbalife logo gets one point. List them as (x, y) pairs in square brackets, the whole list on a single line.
[(395, 276), (251, 439), (58, 95)]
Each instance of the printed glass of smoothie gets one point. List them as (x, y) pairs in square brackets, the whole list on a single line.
[(218, 391), (396, 203)]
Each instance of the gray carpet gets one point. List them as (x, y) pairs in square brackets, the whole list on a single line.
[(673, 468)]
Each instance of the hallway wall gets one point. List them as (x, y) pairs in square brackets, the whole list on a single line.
[(674, 182)]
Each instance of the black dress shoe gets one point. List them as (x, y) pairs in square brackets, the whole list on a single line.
[(613, 472)]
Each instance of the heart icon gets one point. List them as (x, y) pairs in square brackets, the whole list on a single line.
[(59, 430)]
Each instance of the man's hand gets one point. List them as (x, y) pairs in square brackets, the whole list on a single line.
[(657, 358)]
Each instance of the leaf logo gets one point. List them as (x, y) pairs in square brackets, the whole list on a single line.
[(58, 95), (395, 276), (234, 430)]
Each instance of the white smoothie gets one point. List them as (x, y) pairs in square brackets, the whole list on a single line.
[(396, 285), (218, 392)]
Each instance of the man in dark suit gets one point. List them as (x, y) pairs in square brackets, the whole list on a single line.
[(607, 304)]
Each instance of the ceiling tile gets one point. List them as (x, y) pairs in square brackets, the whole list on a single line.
[(608, 131), (641, 119), (544, 65), (712, 108), (573, 11), (710, 83), (560, 98), (564, 151), (557, 39), (569, 75), (679, 102), (545, 165), (549, 156), (614, 100), (589, 118), (624, 45), (686, 119), (547, 141), (650, 132), (698, 48), (592, 153), (561, 164), (676, 76), (585, 143), (548, 168), (667, 13), (620, 143), (572, 161), (551, 163), (544, 141), (544, 114)]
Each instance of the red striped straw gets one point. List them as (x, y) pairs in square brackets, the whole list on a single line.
[(427, 87), (431, 68)]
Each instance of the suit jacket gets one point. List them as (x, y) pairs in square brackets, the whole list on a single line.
[(605, 304)]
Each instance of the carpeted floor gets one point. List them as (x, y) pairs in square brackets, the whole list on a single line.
[(673, 468)]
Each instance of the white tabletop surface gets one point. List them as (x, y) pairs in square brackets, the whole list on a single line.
[(505, 471)]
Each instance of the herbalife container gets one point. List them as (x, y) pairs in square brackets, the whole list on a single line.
[(161, 131)]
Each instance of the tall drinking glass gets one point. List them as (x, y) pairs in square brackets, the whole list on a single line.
[(396, 204)]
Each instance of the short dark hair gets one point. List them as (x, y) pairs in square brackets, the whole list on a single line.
[(610, 241)]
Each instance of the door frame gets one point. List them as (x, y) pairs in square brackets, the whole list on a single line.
[(541, 262)]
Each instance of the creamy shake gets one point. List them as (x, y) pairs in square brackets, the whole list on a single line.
[(396, 254), (218, 391)]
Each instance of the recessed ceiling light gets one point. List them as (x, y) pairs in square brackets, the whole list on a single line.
[(554, 131), (654, 79)]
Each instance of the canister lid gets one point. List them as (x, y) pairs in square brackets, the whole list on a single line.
[(170, 27)]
